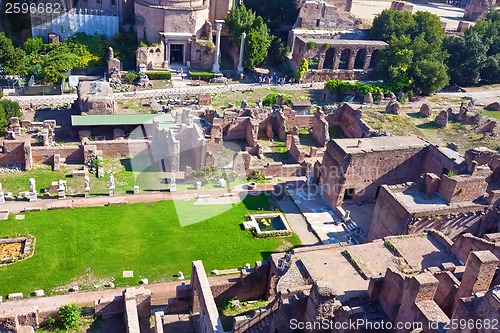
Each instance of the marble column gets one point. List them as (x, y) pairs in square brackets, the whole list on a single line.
[(352, 59), (216, 66), (2, 195), (336, 59), (242, 49), (368, 59), (321, 61), (166, 60)]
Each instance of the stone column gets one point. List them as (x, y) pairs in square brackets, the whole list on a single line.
[(352, 59), (336, 59), (188, 53), (367, 60), (216, 67), (166, 61), (321, 60), (2, 195), (242, 49)]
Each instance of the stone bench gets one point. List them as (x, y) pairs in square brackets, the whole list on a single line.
[(15, 296)]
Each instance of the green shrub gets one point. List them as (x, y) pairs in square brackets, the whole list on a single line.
[(272, 99), (205, 76), (8, 109), (159, 75), (342, 87), (70, 316), (303, 68), (311, 45), (131, 76)]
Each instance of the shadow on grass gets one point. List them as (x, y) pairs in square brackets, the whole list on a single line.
[(415, 115), (257, 201), (428, 125)]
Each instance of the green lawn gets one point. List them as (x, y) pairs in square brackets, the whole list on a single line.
[(102, 242), (125, 179)]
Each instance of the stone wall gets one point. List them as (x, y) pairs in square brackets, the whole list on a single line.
[(320, 129), (390, 292), (436, 162), (467, 243), (251, 285), (203, 300), (170, 16), (12, 152), (389, 216), (333, 15), (295, 148), (152, 57), (365, 172), (350, 121), (279, 169), (45, 155), (462, 188)]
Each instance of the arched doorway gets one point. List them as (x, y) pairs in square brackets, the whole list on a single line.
[(360, 59), (344, 59), (375, 60), (329, 55)]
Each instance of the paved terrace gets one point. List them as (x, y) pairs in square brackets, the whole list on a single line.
[(164, 93)]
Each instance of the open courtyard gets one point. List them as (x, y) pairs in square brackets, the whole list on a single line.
[(93, 246)]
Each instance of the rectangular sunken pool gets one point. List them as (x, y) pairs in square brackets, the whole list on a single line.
[(270, 225), (14, 248)]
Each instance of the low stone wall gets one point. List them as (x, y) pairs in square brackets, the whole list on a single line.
[(279, 169), (46, 154), (121, 148)]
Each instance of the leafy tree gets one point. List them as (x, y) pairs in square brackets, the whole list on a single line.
[(70, 316), (239, 20), (8, 109), (11, 58), (490, 73), (391, 23), (33, 45), (258, 40), (429, 76), (467, 57), (414, 60), (278, 51)]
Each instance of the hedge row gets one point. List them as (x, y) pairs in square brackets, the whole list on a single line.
[(343, 87), (159, 75), (205, 76)]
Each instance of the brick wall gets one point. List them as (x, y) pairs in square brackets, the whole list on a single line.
[(389, 216), (121, 148), (12, 152), (462, 188), (390, 294), (46, 154)]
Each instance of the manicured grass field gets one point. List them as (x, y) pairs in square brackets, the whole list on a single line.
[(146, 238)]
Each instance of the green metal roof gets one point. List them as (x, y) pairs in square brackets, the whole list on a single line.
[(166, 120)]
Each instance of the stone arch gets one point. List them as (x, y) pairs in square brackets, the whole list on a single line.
[(375, 59), (151, 51), (360, 59), (158, 50), (329, 55), (344, 58)]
